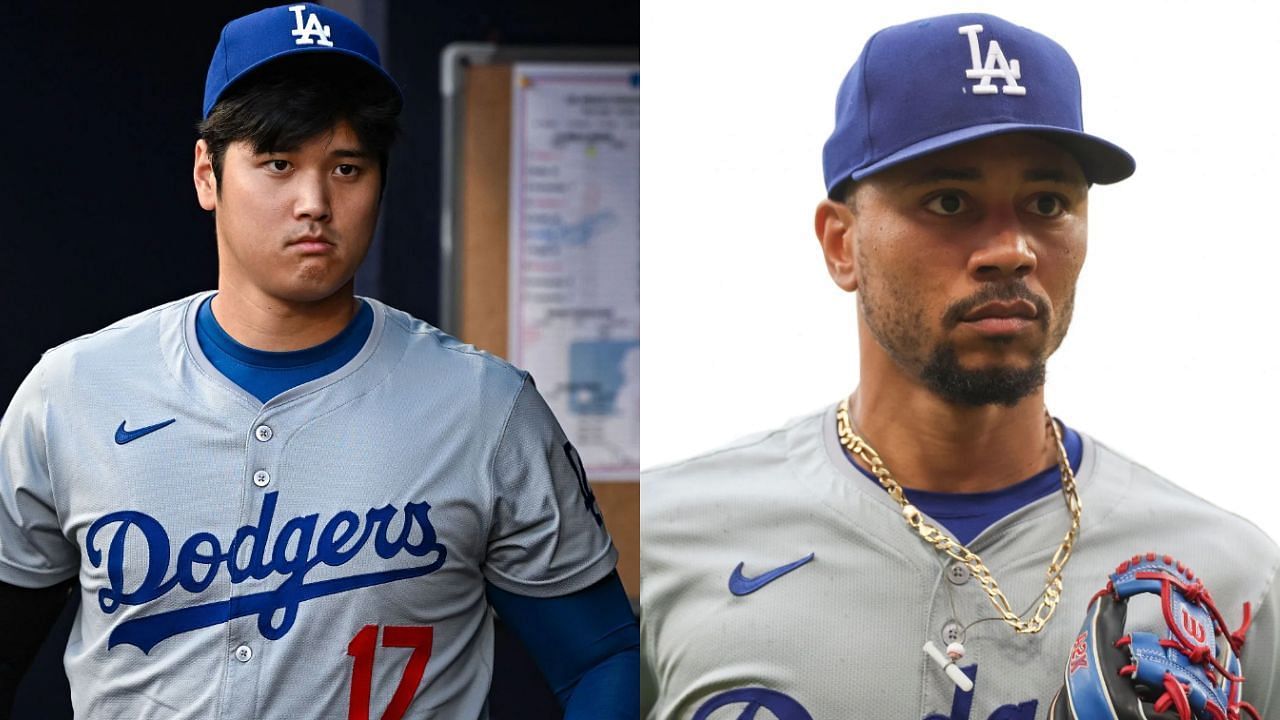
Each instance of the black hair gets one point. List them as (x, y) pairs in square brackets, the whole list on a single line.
[(288, 101)]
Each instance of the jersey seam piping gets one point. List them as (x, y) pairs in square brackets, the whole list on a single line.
[(350, 373), (493, 459), (40, 574), (741, 444), (336, 383), (587, 571), (138, 318), (195, 364), (1271, 581), (48, 467)]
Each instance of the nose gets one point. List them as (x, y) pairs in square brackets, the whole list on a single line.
[(1006, 251), (312, 200)]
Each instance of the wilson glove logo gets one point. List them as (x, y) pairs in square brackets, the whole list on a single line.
[(1193, 627), (297, 549)]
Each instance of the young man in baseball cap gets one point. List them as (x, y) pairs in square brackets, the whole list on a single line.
[(283, 500), (927, 546)]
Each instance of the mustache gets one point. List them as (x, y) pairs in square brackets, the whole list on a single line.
[(991, 293)]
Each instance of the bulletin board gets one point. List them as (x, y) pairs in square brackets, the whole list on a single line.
[(523, 128)]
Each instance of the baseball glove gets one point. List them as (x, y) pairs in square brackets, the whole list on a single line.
[(1192, 673)]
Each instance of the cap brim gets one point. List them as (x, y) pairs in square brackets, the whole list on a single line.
[(1102, 162)]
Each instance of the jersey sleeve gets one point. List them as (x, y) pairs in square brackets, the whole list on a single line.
[(33, 550), (547, 536)]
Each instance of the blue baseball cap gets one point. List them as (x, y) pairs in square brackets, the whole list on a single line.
[(254, 40), (931, 84)]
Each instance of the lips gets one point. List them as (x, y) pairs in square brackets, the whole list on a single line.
[(311, 244), (1002, 310), (1001, 318)]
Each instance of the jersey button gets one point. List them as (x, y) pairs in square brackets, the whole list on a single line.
[(952, 632), (263, 433), (261, 478), (244, 653), (958, 573)]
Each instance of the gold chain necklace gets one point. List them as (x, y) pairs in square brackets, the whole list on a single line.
[(1053, 576)]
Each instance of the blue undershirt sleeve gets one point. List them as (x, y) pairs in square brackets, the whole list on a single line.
[(586, 643)]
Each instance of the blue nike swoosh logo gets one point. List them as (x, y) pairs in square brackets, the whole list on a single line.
[(740, 584), (127, 436)]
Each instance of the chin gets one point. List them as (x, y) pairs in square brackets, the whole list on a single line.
[(996, 362), (1006, 352), (307, 293)]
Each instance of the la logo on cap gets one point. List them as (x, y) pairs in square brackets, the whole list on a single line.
[(313, 33), (995, 66)]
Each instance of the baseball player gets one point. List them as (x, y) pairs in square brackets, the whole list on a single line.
[(927, 546), (282, 500)]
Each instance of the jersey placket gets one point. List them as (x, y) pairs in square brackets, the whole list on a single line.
[(962, 612), (246, 648), (957, 601)]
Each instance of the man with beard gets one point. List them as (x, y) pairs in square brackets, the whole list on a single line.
[(798, 574)]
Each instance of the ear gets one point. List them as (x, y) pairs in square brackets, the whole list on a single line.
[(202, 173), (836, 227)]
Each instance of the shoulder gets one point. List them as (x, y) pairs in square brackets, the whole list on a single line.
[(430, 342), (1151, 491), (755, 463), (122, 345), (451, 364), (743, 452), (1139, 507)]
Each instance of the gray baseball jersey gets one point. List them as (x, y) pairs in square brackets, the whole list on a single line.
[(320, 556), (840, 634)]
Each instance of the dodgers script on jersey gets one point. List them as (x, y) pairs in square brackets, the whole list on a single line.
[(320, 556), (837, 596)]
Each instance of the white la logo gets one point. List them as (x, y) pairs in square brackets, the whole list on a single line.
[(995, 66), (313, 32)]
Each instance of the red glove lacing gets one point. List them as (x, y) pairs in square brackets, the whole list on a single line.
[(1175, 693)]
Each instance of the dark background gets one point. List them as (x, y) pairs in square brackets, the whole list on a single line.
[(98, 216)]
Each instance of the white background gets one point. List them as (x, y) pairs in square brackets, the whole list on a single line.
[(1171, 356)]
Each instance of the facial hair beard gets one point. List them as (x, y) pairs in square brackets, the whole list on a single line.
[(938, 368), (944, 376)]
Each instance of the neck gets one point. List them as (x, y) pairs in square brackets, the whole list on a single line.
[(262, 322), (931, 444)]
